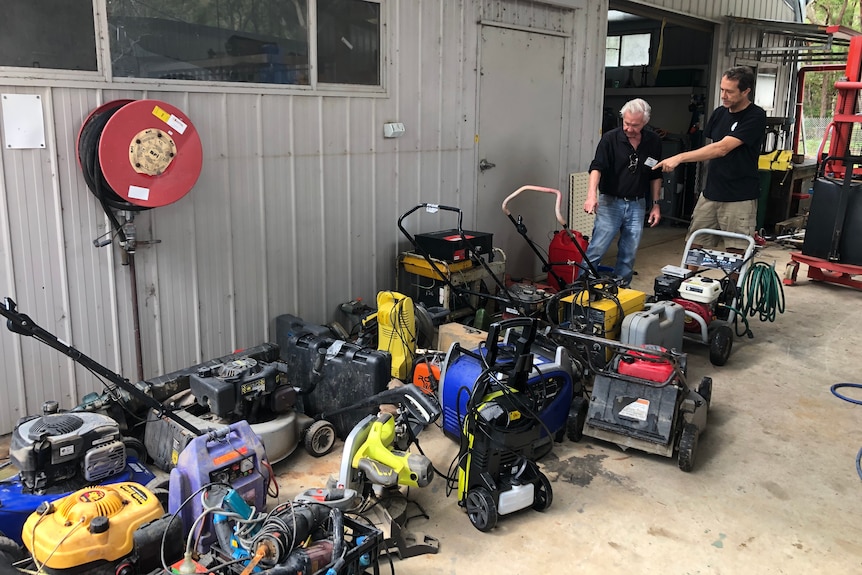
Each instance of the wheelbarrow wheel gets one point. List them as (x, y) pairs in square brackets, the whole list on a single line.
[(720, 342), (319, 438), (688, 447), (481, 509)]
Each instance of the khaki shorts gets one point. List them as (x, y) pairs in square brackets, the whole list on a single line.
[(738, 217)]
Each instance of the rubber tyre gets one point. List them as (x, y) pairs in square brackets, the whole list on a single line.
[(577, 418), (481, 509), (543, 495), (704, 389), (688, 447), (720, 343), (319, 438), (135, 448)]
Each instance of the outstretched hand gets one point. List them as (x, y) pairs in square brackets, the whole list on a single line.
[(668, 164)]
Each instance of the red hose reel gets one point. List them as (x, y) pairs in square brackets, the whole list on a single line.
[(149, 152)]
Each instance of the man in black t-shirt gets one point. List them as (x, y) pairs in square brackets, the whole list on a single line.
[(621, 182), (729, 199)]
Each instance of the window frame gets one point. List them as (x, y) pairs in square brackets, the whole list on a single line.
[(620, 49), (103, 76)]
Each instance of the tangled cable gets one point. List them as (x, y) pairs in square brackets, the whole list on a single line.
[(762, 292)]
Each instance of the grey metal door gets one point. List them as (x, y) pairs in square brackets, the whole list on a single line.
[(520, 110)]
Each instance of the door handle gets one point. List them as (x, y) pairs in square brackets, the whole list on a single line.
[(485, 165)]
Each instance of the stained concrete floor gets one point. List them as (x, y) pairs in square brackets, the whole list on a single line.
[(774, 488)]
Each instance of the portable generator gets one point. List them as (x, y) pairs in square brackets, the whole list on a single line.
[(103, 530), (549, 387), (232, 456), (600, 311), (497, 472)]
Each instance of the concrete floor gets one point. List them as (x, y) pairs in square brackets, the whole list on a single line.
[(774, 489)]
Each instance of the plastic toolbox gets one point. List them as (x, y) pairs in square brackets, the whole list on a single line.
[(345, 374)]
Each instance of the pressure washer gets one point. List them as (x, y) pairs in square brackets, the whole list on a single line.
[(496, 469)]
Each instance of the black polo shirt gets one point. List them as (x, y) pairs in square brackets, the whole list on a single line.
[(734, 177), (615, 154)]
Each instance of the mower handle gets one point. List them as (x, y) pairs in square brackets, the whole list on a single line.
[(431, 208), (537, 189)]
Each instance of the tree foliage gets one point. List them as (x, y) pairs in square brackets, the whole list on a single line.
[(820, 94)]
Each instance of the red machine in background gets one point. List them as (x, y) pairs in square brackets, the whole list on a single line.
[(832, 248)]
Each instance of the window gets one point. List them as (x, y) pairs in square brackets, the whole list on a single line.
[(348, 42), (627, 50), (56, 34), (259, 41), (764, 89)]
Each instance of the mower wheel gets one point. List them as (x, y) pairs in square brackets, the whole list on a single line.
[(319, 438), (481, 509), (577, 418), (720, 342), (543, 495), (135, 448), (705, 390), (688, 446)]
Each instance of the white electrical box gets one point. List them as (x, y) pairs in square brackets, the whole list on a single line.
[(393, 130)]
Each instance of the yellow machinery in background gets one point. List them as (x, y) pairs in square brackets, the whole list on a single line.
[(396, 325), (599, 311)]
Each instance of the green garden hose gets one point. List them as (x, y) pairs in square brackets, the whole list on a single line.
[(762, 292)]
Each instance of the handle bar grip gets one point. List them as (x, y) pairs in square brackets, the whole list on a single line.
[(557, 203), (496, 328), (434, 206)]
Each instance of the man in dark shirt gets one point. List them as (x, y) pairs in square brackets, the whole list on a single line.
[(729, 199), (622, 172)]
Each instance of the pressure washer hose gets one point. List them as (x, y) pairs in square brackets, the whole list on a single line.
[(834, 389), (762, 292)]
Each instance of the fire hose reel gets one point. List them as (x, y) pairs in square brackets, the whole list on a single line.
[(139, 154)]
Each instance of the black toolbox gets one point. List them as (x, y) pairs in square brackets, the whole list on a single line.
[(448, 245), (346, 374)]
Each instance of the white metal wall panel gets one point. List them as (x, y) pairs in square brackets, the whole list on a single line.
[(296, 209)]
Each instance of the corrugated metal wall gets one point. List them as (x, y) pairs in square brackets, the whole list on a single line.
[(295, 210)]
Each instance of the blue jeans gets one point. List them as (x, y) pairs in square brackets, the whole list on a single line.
[(617, 215)]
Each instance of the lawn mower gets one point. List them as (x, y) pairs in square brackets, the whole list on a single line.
[(639, 399), (502, 435), (712, 305), (567, 251)]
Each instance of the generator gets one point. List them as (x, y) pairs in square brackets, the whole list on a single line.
[(103, 530), (599, 311), (550, 383), (232, 456)]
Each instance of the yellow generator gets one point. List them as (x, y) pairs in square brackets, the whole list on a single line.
[(600, 311), (99, 529)]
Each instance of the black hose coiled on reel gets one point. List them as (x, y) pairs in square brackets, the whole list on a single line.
[(88, 156)]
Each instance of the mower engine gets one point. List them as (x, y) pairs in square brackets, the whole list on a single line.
[(50, 448), (103, 530), (243, 389)]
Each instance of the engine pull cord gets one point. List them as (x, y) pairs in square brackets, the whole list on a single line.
[(834, 389)]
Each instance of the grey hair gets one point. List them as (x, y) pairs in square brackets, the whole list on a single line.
[(636, 107)]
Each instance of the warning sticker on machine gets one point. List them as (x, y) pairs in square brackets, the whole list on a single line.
[(637, 409)]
